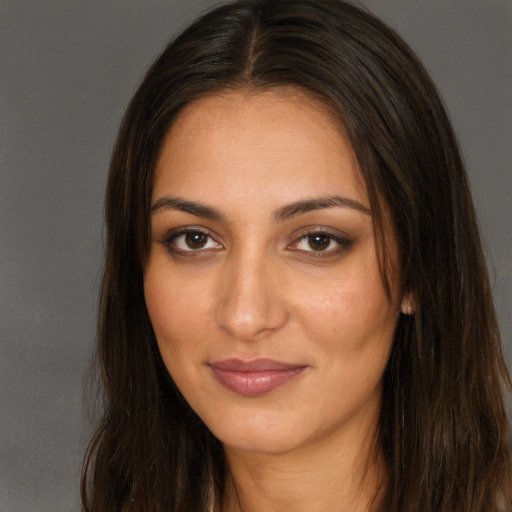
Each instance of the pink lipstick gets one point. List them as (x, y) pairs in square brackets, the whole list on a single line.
[(254, 378)]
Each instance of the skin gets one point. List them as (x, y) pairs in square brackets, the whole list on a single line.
[(255, 286)]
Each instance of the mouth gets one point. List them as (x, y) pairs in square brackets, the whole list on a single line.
[(254, 378)]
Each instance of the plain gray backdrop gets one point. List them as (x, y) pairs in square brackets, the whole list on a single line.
[(67, 71)]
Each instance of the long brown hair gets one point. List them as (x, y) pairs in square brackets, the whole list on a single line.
[(443, 424)]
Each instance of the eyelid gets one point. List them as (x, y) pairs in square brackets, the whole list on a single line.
[(342, 239), (175, 233)]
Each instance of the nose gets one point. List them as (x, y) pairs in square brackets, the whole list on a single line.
[(251, 305)]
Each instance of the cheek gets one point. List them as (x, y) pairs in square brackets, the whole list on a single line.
[(178, 314), (348, 310), (351, 325)]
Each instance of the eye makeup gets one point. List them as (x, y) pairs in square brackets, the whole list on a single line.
[(312, 242), (190, 241), (320, 243)]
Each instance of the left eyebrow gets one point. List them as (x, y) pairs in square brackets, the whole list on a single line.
[(307, 205), (192, 207)]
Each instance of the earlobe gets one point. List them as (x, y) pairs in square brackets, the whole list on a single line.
[(408, 306)]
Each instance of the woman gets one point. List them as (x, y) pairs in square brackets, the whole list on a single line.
[(295, 311)]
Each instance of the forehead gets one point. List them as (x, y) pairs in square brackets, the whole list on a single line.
[(283, 139)]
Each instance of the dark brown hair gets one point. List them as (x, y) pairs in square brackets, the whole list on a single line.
[(443, 423)]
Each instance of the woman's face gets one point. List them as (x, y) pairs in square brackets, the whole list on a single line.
[(262, 283)]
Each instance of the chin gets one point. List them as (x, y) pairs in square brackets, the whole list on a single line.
[(258, 435), (260, 444)]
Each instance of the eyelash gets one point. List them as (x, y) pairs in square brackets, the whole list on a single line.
[(342, 243), (170, 242)]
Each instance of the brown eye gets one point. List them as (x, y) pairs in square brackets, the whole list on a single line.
[(196, 240), (191, 241), (319, 241)]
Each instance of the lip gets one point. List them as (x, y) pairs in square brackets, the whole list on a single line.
[(254, 378)]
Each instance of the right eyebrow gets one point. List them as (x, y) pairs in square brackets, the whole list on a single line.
[(197, 209), (318, 203)]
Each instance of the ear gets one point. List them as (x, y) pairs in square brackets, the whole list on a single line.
[(408, 304)]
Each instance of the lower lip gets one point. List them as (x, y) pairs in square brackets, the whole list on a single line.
[(255, 383)]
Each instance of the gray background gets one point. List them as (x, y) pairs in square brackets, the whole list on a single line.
[(67, 70)]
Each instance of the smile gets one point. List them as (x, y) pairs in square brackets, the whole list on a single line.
[(254, 378)]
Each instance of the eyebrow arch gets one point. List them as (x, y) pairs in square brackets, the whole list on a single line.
[(197, 209), (308, 205), (281, 214)]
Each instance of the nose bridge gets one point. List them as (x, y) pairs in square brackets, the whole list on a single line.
[(250, 305)]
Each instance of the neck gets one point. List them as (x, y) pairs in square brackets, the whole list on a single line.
[(341, 473)]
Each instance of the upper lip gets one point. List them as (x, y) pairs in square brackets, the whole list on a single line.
[(257, 365)]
